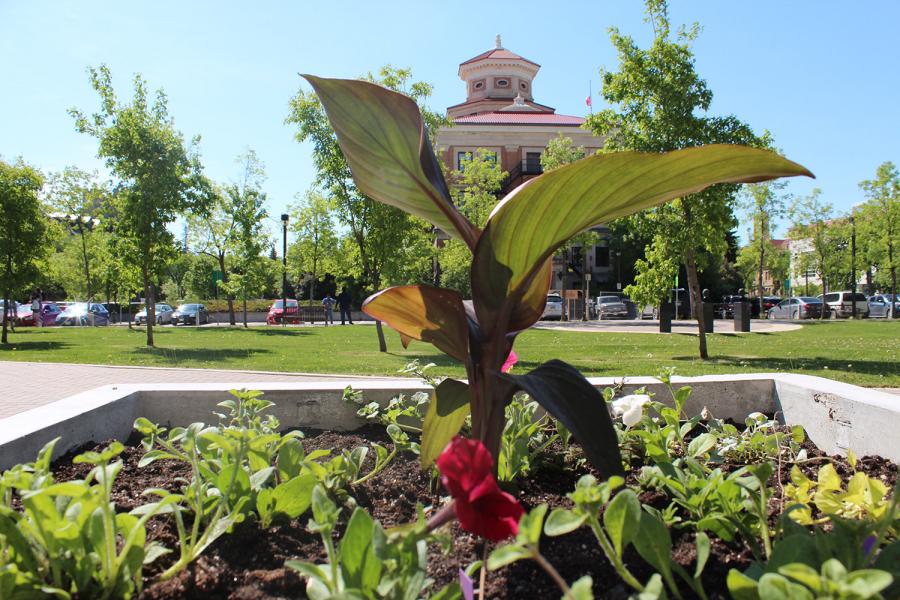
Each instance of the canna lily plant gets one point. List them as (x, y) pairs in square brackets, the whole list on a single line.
[(383, 138)]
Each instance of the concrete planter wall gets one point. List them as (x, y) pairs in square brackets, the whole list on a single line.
[(837, 416)]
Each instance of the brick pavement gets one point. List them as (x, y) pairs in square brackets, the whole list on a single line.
[(26, 385)]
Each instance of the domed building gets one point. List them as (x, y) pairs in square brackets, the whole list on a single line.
[(501, 116)]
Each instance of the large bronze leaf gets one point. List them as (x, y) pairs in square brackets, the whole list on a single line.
[(528, 226), (382, 136), (568, 396), (426, 313), (445, 417)]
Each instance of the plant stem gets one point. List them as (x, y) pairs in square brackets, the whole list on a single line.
[(551, 571), (613, 558), (377, 469)]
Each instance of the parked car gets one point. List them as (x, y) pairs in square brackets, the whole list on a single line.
[(611, 307), (802, 307), (190, 314), (49, 312), (553, 308), (84, 313), (841, 304), (649, 311), (276, 311), (880, 305), (163, 314)]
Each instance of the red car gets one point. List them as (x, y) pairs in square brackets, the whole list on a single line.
[(49, 312), (276, 312)]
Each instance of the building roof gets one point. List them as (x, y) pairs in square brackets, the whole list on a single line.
[(498, 53), (783, 244), (519, 118)]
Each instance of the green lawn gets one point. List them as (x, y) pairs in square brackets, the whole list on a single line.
[(862, 352)]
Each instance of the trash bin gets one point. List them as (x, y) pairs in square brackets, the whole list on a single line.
[(742, 316), (666, 311), (709, 322)]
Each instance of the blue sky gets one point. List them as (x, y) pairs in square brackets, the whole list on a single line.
[(821, 76)]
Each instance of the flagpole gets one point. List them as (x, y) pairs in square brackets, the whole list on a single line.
[(590, 93)]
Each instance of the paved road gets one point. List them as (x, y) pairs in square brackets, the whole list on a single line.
[(641, 326), (27, 385)]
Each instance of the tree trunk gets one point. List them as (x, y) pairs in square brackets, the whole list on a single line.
[(382, 345), (151, 306), (696, 299), (228, 297), (84, 255), (565, 276), (762, 262), (245, 313), (893, 292), (6, 296)]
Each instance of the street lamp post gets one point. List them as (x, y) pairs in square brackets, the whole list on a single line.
[(853, 263), (284, 223), (618, 256)]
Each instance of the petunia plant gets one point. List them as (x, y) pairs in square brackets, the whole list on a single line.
[(383, 138)]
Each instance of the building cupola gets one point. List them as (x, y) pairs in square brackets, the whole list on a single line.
[(498, 74)]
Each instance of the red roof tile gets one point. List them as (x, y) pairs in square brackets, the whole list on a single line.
[(495, 53), (517, 118)]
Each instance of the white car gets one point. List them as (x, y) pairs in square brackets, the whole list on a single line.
[(840, 304), (163, 314), (553, 308)]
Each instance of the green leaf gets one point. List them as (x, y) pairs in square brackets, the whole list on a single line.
[(293, 497), (446, 415), (568, 396), (703, 549), (622, 518), (776, 587), (562, 521), (654, 590), (528, 226), (742, 587), (701, 445), (360, 567), (531, 524), (426, 313), (506, 555), (653, 543), (804, 574), (382, 136), (583, 589), (866, 583)]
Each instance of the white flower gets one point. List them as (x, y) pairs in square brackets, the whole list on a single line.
[(630, 408)]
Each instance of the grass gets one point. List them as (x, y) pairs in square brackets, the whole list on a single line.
[(860, 352)]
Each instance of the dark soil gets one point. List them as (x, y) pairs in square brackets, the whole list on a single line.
[(249, 562)]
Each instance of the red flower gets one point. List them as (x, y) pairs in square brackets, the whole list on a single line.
[(511, 359), (482, 508)]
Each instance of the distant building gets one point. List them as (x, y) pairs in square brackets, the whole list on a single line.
[(501, 116)]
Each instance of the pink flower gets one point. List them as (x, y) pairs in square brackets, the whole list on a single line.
[(510, 361), (482, 508)]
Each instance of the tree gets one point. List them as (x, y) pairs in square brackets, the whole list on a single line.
[(383, 236), (158, 176), (22, 230), (214, 231), (561, 151), (78, 198), (248, 241), (881, 220), (762, 204), (658, 93), (312, 254), (476, 184), (812, 225)]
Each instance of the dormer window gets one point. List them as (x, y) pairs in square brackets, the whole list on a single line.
[(501, 83)]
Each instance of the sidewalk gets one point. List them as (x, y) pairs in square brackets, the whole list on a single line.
[(27, 385)]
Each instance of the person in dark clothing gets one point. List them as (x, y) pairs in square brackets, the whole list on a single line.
[(343, 301)]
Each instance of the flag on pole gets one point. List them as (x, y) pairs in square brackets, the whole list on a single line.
[(588, 101)]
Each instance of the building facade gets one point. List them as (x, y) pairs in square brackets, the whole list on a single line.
[(500, 116)]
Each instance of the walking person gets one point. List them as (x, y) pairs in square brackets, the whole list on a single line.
[(328, 303), (37, 304), (343, 301)]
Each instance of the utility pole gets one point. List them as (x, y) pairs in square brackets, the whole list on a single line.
[(284, 222)]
